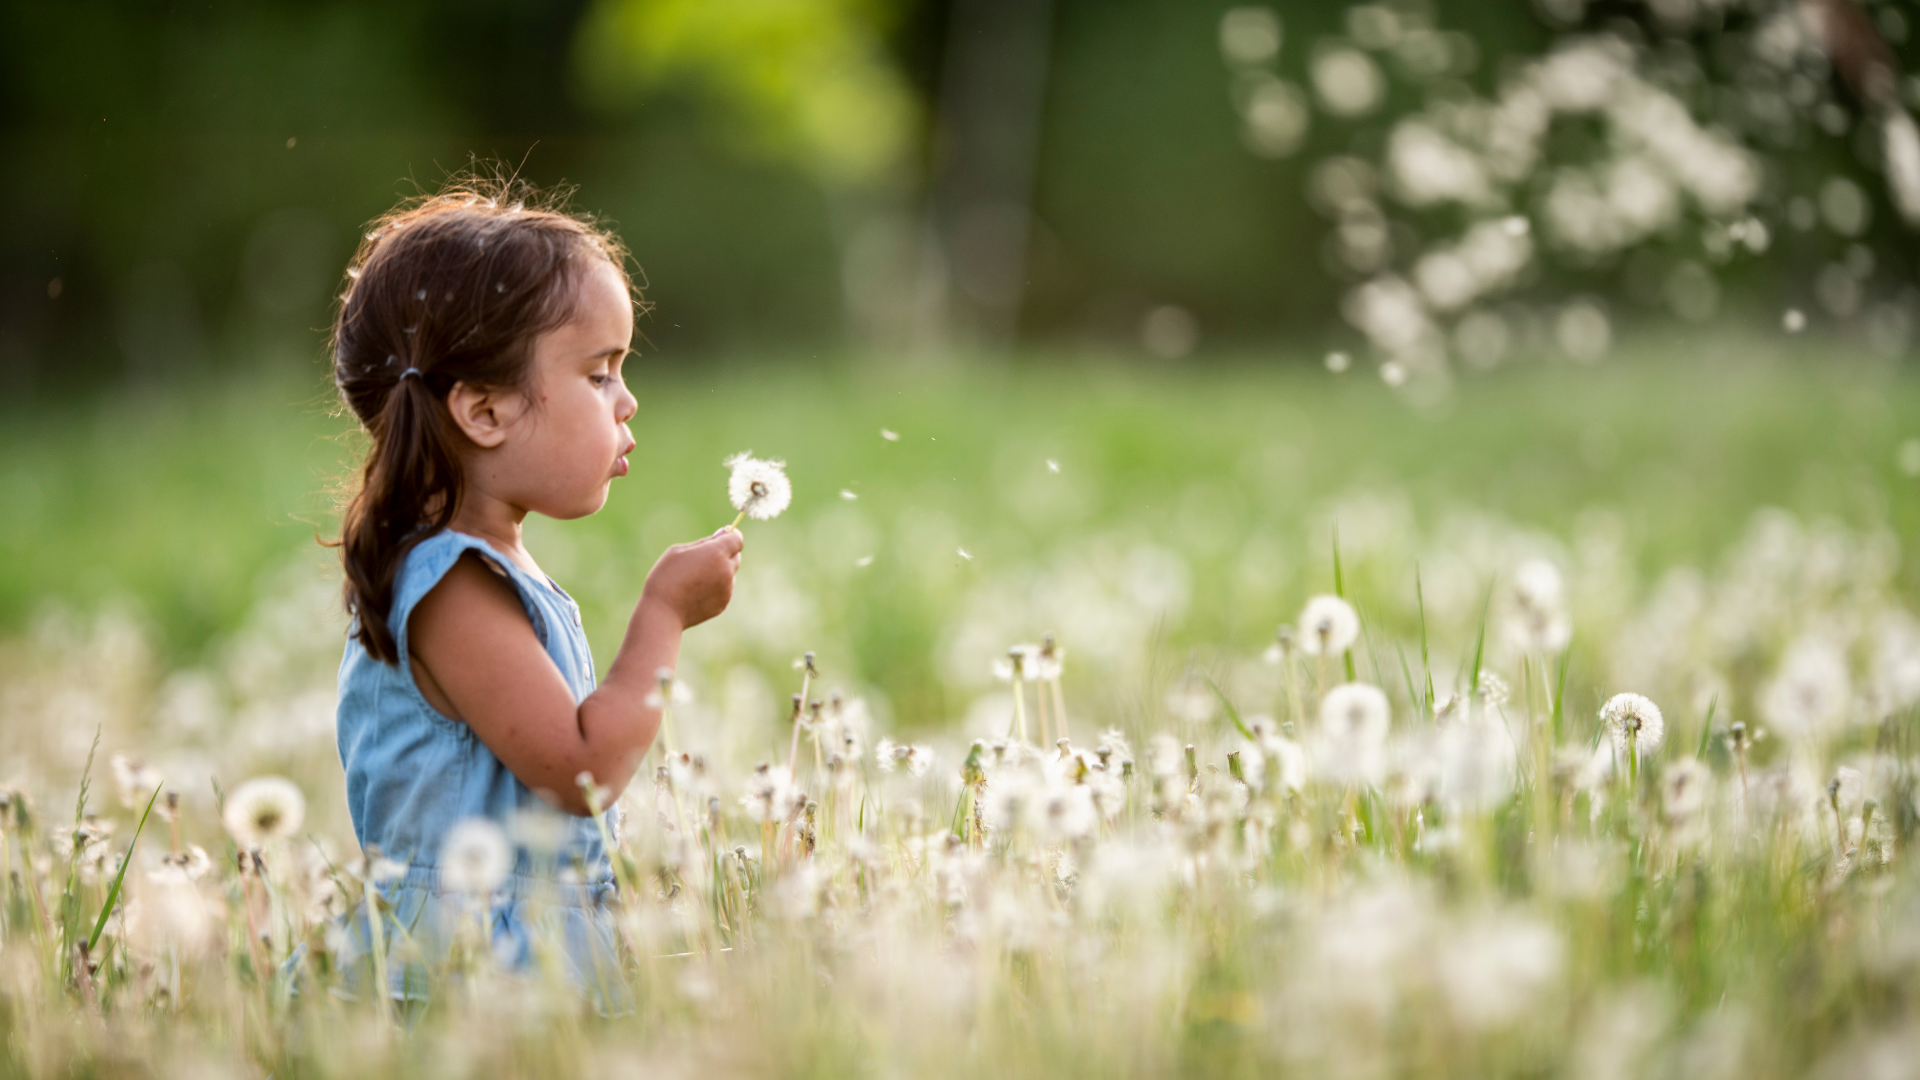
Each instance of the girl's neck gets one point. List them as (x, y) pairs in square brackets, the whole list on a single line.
[(498, 523)]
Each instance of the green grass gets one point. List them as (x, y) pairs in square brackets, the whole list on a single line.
[(1487, 897), (176, 502)]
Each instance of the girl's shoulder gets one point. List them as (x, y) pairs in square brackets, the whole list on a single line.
[(429, 560)]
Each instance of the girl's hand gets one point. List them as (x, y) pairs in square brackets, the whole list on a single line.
[(694, 582)]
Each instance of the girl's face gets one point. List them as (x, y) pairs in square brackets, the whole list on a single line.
[(563, 450)]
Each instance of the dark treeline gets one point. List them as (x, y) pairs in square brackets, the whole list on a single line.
[(183, 182)]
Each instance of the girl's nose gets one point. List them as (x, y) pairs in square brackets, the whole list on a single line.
[(626, 405)]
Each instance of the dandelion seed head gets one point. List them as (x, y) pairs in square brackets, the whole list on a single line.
[(758, 488), (1633, 720), (135, 779), (1328, 626), (262, 809), (475, 857)]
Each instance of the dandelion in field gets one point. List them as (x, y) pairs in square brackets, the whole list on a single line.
[(758, 489), (192, 861), (770, 796), (1635, 725), (475, 857), (1540, 623), (136, 780), (1686, 790), (1808, 698), (1328, 626), (262, 809), (1354, 718), (890, 755)]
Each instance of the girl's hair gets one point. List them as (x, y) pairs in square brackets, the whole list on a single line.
[(449, 288)]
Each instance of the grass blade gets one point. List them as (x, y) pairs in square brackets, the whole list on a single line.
[(1560, 690), (1706, 726), (113, 893), (1233, 714), (1340, 590), (1426, 659)]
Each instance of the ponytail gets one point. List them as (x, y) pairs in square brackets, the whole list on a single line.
[(409, 488), (454, 289)]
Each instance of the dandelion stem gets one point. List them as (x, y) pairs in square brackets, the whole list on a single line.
[(737, 519)]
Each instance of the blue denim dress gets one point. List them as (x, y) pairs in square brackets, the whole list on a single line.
[(413, 773)]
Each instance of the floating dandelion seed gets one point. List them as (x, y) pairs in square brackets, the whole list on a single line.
[(1393, 373), (1793, 321), (1338, 362), (863, 561), (1053, 466), (890, 436), (476, 857), (758, 489), (848, 495), (1328, 626), (963, 554), (264, 808)]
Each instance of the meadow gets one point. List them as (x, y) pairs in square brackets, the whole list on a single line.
[(1234, 719)]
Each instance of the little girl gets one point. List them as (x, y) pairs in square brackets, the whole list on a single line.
[(479, 343)]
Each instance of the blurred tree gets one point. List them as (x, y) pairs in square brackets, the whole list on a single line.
[(812, 79), (1648, 153)]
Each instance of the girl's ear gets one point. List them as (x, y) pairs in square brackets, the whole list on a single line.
[(483, 414)]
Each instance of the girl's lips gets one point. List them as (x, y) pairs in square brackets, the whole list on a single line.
[(620, 465)]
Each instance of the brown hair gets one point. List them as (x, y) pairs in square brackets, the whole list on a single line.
[(452, 287)]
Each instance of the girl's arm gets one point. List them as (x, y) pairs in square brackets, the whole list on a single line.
[(475, 656)]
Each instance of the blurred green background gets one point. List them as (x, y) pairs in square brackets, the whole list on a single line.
[(1101, 233)]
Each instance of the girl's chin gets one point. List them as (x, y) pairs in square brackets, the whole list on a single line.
[(584, 506)]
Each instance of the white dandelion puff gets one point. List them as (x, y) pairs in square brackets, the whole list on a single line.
[(1633, 720), (890, 436), (1354, 718), (758, 489), (962, 552), (262, 809), (1328, 626), (475, 857), (848, 495), (136, 780)]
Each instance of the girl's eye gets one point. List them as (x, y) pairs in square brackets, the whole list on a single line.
[(599, 380)]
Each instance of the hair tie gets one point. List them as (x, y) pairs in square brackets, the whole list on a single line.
[(411, 371)]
